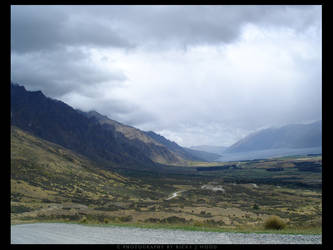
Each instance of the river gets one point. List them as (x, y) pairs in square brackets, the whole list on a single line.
[(64, 233)]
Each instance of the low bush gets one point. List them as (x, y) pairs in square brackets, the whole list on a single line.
[(274, 222), (83, 220), (125, 218), (20, 209), (173, 219), (152, 220), (198, 224), (255, 207)]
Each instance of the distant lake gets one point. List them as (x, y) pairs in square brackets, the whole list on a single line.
[(263, 154), (63, 233)]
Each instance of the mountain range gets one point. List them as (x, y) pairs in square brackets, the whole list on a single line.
[(292, 139), (95, 136), (116, 145), (150, 137)]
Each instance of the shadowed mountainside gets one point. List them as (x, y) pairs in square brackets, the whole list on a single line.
[(59, 123), (156, 147), (91, 134)]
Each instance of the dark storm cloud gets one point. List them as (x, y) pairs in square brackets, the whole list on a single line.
[(193, 25), (46, 27), (50, 49), (50, 27), (58, 72)]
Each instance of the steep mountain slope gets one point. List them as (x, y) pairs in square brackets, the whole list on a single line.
[(290, 136), (128, 131), (188, 153), (206, 156), (42, 171), (91, 134), (183, 152), (59, 123), (157, 147)]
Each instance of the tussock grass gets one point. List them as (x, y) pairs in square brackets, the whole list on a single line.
[(274, 222)]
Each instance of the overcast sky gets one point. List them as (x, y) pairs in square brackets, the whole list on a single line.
[(195, 74)]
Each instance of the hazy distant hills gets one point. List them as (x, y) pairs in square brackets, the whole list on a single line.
[(292, 139), (290, 136), (188, 153), (207, 156), (92, 134), (208, 148)]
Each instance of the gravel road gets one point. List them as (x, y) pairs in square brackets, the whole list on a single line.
[(61, 233), (175, 194)]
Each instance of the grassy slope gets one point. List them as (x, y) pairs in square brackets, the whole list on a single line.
[(45, 172)]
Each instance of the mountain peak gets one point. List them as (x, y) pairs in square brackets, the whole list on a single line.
[(17, 86), (98, 116)]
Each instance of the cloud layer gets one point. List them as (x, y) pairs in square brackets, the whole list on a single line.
[(196, 74)]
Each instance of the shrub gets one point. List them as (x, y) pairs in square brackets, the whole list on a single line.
[(211, 222), (198, 224), (20, 209), (84, 219), (274, 222), (125, 218), (152, 220), (173, 219), (255, 207)]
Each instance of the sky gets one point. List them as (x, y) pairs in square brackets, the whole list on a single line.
[(198, 75)]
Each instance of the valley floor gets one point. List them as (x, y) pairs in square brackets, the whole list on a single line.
[(213, 206), (239, 196)]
